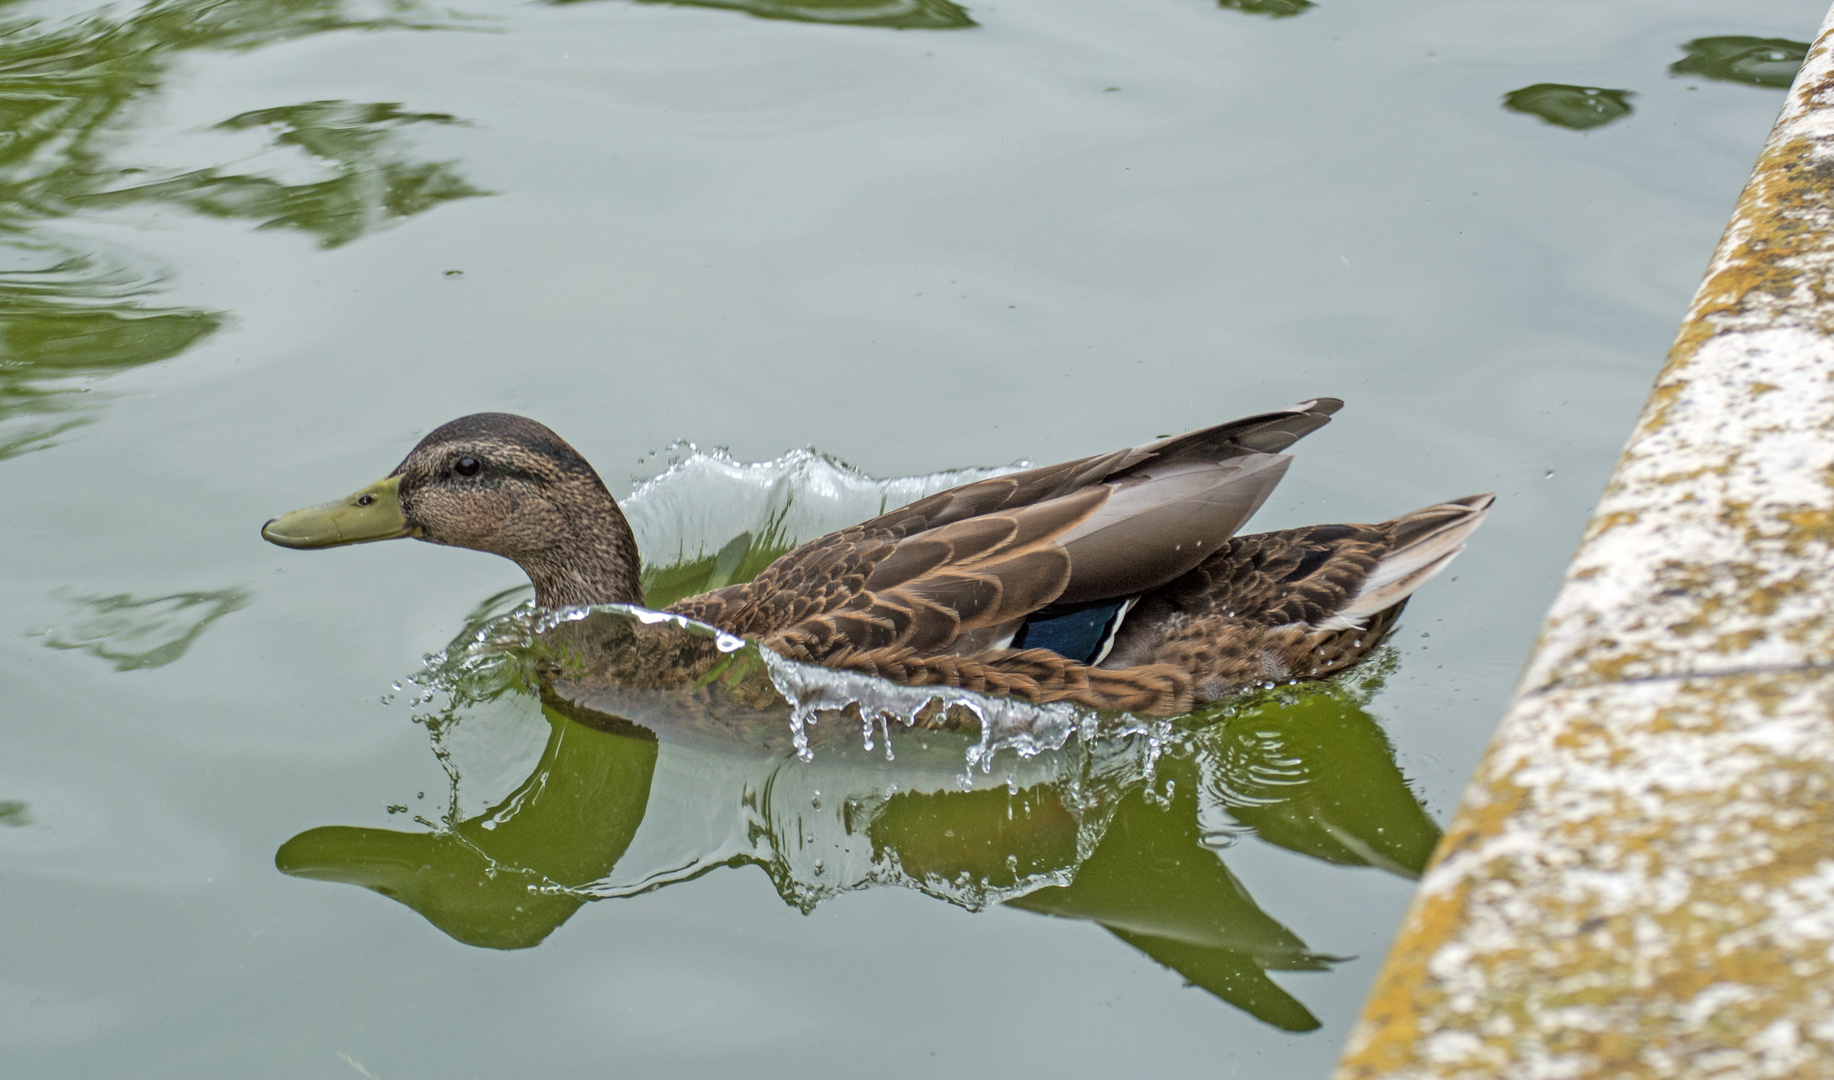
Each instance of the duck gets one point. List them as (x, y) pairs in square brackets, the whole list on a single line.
[(1116, 581)]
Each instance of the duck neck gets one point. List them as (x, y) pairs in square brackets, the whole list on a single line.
[(596, 562)]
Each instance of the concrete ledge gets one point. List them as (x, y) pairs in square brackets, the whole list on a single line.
[(1640, 880)]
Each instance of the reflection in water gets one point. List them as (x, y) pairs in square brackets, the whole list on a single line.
[(134, 633), (1576, 107), (1153, 884), (373, 181), (70, 312), (15, 813), (1276, 9), (507, 877), (898, 14), (1123, 827), (67, 316), (1750, 60)]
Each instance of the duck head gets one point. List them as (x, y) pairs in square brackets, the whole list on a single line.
[(498, 483)]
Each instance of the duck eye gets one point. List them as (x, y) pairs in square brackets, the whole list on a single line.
[(467, 466)]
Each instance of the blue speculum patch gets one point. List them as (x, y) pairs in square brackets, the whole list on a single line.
[(1078, 634)]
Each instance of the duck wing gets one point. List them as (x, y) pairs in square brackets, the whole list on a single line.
[(959, 571), (1299, 602)]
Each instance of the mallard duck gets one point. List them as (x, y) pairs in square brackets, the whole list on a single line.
[(1114, 581)]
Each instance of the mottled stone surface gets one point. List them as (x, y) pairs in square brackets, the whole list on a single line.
[(1640, 880)]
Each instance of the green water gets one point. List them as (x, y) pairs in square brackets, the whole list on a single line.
[(251, 250)]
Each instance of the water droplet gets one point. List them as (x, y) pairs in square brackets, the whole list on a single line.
[(1549, 475)]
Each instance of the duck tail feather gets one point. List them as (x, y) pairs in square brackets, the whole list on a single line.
[(1425, 542)]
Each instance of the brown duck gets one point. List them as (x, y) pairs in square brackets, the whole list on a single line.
[(1114, 581)]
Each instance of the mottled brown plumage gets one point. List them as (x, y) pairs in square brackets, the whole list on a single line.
[(933, 593), (1259, 611)]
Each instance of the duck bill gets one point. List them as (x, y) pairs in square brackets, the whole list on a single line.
[(371, 514)]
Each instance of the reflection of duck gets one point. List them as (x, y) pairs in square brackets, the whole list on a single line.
[(1081, 833), (1114, 581)]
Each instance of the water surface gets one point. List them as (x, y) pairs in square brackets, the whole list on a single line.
[(251, 250)]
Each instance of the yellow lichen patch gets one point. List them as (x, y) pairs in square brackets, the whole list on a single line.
[(1607, 522), (1638, 904), (1781, 226), (1809, 525)]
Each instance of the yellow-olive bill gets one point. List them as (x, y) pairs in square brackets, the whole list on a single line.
[(373, 513)]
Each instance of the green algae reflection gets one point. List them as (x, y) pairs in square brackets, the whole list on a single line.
[(134, 633), (372, 181), (1273, 9), (894, 14), (69, 319), (1754, 61), (1128, 833), (1579, 108), (73, 311)]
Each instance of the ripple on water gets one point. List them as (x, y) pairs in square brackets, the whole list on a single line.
[(73, 310)]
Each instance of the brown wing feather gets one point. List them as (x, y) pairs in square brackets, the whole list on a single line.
[(1267, 433), (951, 572), (1250, 614), (1277, 602), (1160, 524)]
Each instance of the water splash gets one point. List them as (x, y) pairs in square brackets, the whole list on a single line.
[(708, 810), (544, 621), (1005, 723), (706, 498), (499, 654)]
